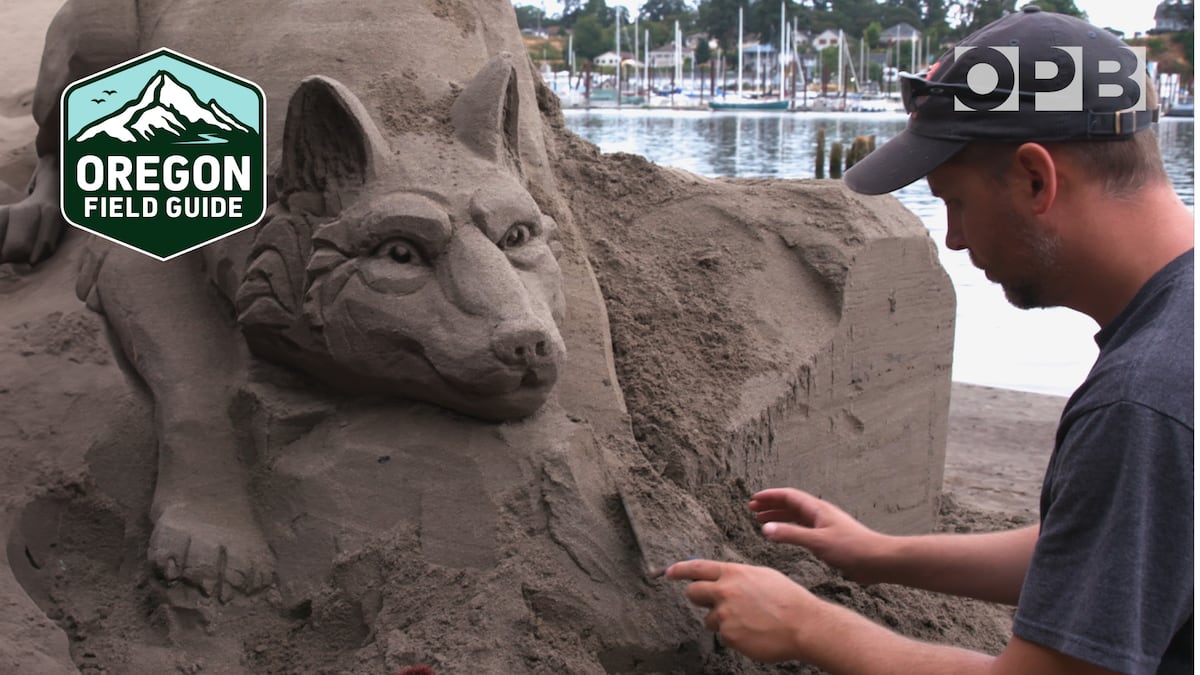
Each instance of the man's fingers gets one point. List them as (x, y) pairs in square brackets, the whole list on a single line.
[(702, 593), (786, 533), (779, 494), (802, 506), (696, 570), (712, 621), (776, 515)]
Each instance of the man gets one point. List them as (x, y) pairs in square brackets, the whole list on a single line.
[(1062, 207)]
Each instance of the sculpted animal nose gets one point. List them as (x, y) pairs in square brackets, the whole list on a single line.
[(522, 346)]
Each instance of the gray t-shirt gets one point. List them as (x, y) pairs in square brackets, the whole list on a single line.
[(1111, 580)]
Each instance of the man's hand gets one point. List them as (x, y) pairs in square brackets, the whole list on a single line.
[(766, 616), (755, 610), (797, 517)]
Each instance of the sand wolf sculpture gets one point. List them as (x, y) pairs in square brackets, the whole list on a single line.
[(403, 269), (394, 412)]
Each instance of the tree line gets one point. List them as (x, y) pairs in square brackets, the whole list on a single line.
[(592, 21)]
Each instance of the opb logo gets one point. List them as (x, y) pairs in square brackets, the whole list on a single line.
[(996, 78), (163, 154)]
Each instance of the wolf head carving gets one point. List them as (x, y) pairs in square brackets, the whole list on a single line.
[(420, 267)]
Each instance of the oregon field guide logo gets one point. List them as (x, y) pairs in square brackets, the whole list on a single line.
[(163, 154)]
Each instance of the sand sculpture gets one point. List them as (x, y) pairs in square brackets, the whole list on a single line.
[(409, 417)]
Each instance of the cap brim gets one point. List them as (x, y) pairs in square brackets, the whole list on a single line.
[(902, 160)]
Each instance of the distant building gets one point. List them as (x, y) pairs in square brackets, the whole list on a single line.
[(755, 49), (609, 59), (693, 41), (1173, 15), (828, 38), (901, 32), (664, 56)]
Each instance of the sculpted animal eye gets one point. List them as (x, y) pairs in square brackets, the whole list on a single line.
[(400, 251), (517, 235)]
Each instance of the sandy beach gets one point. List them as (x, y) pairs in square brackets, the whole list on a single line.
[(999, 441)]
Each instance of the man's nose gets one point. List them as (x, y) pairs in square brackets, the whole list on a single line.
[(954, 238)]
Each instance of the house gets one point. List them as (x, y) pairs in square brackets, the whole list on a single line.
[(664, 56), (1173, 15), (693, 41), (755, 50), (828, 38), (901, 32), (609, 59)]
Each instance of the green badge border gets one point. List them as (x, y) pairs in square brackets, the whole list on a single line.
[(161, 51)]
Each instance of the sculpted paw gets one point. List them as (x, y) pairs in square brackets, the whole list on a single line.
[(219, 555), (29, 230)]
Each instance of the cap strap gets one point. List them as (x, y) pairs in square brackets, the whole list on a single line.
[(1120, 123)]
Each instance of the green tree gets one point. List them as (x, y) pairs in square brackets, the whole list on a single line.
[(1060, 6), (976, 14), (660, 32), (663, 10), (590, 41), (935, 14), (703, 53), (829, 65), (1188, 42), (601, 10), (719, 18), (572, 10), (529, 16), (872, 33)]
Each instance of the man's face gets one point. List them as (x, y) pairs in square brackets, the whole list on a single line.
[(984, 218)]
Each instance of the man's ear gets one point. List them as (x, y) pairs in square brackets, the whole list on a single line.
[(1037, 176)]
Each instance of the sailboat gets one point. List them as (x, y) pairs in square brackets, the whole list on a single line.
[(749, 104), (742, 102)]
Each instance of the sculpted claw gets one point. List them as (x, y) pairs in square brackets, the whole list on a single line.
[(219, 559), (30, 229)]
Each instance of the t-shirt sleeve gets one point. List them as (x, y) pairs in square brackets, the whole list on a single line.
[(1111, 579)]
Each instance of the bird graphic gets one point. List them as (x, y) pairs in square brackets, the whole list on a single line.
[(97, 100), (110, 92)]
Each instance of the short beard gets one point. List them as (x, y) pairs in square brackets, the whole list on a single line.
[(1043, 265)]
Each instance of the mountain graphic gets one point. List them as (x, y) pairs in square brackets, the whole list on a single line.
[(167, 112)]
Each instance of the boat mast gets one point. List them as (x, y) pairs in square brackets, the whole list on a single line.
[(635, 54), (678, 59), (841, 40), (782, 44), (739, 51), (617, 27), (646, 65)]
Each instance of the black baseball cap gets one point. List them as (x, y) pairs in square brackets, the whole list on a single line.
[(1073, 82)]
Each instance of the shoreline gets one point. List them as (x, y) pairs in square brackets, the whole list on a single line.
[(998, 442)]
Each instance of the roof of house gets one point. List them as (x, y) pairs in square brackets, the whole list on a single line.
[(900, 31)]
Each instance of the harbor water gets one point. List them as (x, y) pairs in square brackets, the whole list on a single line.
[(1047, 350)]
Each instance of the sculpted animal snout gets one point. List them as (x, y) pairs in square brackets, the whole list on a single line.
[(517, 345)]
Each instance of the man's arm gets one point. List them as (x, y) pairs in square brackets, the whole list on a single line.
[(768, 617), (988, 566)]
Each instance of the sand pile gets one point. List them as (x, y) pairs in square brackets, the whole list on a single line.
[(722, 336)]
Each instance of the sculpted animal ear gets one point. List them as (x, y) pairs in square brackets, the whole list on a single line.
[(331, 148), (485, 115)]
